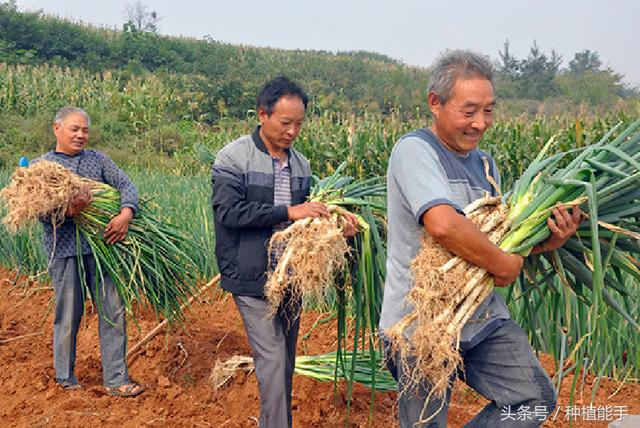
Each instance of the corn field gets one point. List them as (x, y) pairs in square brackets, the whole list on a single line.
[(153, 127)]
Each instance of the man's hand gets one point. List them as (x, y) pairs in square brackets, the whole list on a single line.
[(118, 227), (307, 209), (511, 268), (350, 225), (562, 227), (80, 202)]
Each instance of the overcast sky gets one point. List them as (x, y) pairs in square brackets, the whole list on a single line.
[(413, 31)]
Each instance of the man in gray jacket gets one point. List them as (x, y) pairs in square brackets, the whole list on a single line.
[(259, 185)]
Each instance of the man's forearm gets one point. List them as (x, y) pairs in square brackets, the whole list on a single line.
[(463, 238)]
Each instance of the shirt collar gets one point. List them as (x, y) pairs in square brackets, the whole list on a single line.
[(55, 152)]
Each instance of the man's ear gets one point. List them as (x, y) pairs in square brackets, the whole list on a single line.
[(434, 103), (262, 114)]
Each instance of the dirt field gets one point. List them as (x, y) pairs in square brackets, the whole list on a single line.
[(175, 371)]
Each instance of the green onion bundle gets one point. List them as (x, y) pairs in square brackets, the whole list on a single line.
[(314, 249), (151, 266), (318, 367), (601, 178), (351, 279), (324, 368), (358, 341)]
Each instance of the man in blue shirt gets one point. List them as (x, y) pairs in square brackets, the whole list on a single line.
[(432, 175), (71, 128)]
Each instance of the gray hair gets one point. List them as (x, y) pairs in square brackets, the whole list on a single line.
[(66, 111), (454, 65)]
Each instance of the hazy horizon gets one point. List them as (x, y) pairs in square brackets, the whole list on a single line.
[(411, 31)]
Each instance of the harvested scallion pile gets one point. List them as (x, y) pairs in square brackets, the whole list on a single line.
[(318, 367), (324, 368)]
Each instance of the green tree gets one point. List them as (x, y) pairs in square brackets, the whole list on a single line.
[(585, 80), (11, 5), (537, 74), (594, 87), (508, 71), (583, 61), (508, 65)]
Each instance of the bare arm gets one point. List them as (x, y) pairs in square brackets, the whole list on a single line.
[(80, 202), (118, 227), (463, 238)]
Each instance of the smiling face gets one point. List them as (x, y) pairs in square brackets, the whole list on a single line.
[(460, 122), (280, 128), (72, 134)]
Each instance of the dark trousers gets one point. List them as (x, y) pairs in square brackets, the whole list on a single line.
[(503, 368)]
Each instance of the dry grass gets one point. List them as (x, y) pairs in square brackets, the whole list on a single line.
[(223, 371)]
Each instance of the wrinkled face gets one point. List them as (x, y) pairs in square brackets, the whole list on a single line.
[(280, 129), (72, 134), (460, 122)]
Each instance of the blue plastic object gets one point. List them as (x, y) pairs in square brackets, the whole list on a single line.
[(23, 161)]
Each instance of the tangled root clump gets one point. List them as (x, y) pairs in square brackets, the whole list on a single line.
[(42, 190), (314, 250)]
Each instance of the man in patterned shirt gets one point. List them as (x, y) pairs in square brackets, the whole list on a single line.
[(71, 128)]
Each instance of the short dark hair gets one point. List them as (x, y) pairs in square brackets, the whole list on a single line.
[(277, 88)]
